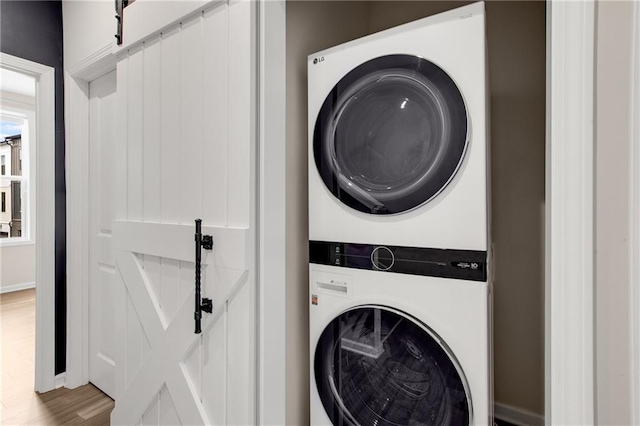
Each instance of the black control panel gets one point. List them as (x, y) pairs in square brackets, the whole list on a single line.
[(459, 264)]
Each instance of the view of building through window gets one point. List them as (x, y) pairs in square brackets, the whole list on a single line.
[(12, 180)]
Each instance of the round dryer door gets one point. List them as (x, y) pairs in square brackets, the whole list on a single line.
[(377, 366), (391, 134)]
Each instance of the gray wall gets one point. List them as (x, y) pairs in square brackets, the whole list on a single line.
[(516, 38), (613, 47), (33, 30), (517, 62)]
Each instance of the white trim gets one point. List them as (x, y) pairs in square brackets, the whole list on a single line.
[(570, 215), (18, 101), (547, 228), (517, 416), (77, 159), (16, 241), (17, 287), (60, 380), (45, 230), (271, 215), (77, 180), (45, 215), (634, 218), (94, 65), (9, 113)]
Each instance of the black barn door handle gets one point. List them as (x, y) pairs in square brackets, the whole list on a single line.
[(202, 304)]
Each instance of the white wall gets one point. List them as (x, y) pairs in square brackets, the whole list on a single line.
[(88, 26), (17, 266), (613, 47)]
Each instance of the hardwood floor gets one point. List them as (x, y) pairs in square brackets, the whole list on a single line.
[(19, 404)]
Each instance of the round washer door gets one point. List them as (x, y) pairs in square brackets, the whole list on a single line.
[(377, 366), (391, 134)]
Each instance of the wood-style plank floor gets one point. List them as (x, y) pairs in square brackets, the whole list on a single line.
[(19, 404)]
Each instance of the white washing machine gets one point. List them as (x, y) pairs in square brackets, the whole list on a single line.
[(398, 136), (400, 314), (393, 349)]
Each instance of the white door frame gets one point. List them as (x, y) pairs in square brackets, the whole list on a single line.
[(271, 212), (76, 85), (569, 254), (45, 215), (569, 365), (634, 218)]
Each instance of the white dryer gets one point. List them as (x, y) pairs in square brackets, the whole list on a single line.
[(398, 226), (393, 349), (398, 136)]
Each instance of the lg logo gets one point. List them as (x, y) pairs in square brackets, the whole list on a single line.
[(316, 60)]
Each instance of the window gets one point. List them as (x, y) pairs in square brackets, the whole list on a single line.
[(18, 141), (15, 183)]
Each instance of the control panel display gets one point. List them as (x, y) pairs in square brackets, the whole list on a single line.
[(458, 264)]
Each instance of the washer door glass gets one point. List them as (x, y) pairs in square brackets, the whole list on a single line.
[(377, 366), (391, 134)]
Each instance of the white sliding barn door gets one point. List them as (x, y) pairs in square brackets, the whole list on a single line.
[(102, 269), (186, 151)]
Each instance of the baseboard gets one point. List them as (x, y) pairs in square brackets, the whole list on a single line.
[(517, 416), (17, 287), (60, 380)]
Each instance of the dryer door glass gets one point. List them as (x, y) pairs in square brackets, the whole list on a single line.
[(391, 134), (377, 366)]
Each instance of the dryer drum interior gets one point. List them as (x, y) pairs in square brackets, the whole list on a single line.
[(391, 134), (377, 366)]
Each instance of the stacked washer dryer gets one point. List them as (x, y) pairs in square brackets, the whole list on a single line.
[(400, 314)]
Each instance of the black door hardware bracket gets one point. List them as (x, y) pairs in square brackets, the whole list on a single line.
[(120, 5), (202, 303), (207, 242)]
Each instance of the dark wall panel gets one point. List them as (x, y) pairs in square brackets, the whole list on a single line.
[(33, 30)]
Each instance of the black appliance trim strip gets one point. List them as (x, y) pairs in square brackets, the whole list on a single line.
[(434, 262)]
